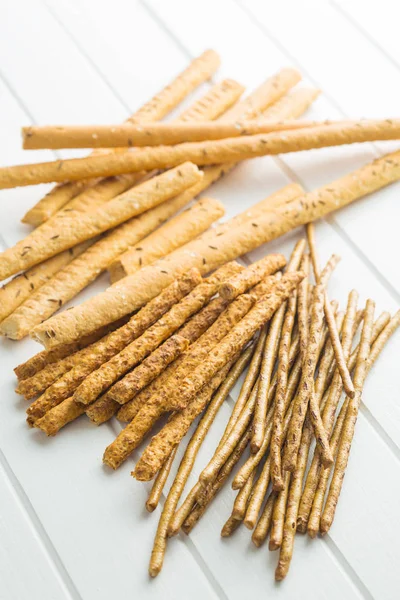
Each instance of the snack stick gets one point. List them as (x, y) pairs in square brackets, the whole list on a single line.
[(16, 291), (264, 523), (130, 356), (289, 526), (278, 515), (328, 359), (152, 134), (199, 70), (159, 482), (175, 233), (350, 420), (251, 276), (269, 358), (70, 232), (242, 499), (186, 465), (59, 416), (230, 526), (83, 270), (330, 405), (135, 290), (291, 105), (85, 361), (172, 433), (302, 305), (199, 153), (215, 487)]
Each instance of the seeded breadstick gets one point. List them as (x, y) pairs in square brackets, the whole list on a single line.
[(289, 528), (199, 70), (85, 361), (59, 416), (175, 233), (72, 231), (159, 482), (302, 305), (292, 105), (16, 291), (135, 290), (83, 270), (186, 465), (135, 352), (278, 515), (251, 276), (264, 523), (350, 420)]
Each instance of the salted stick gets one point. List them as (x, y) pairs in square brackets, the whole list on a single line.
[(346, 439), (135, 290), (187, 462), (70, 280), (72, 231), (175, 233), (199, 70), (199, 153)]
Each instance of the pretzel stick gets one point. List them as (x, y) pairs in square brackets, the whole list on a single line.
[(328, 412), (350, 420), (69, 231), (199, 70), (380, 340), (289, 527), (278, 515), (186, 465), (84, 269), (159, 482), (264, 523), (339, 355)]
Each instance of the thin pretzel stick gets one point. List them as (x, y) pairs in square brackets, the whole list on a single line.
[(350, 421), (159, 482), (339, 355), (278, 515), (264, 523), (302, 305), (242, 499), (289, 528)]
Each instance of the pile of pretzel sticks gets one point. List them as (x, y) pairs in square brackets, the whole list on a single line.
[(182, 319)]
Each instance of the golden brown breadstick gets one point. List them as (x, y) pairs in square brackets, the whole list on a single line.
[(360, 374), (185, 467), (83, 270), (230, 526), (175, 233), (302, 305), (71, 232), (159, 482), (16, 291), (200, 153), (199, 70), (292, 105), (251, 276), (59, 416), (135, 290), (264, 523), (242, 499), (278, 515)]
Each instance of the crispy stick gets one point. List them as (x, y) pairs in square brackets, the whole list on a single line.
[(86, 360), (70, 280), (249, 277), (278, 515), (242, 499), (159, 482), (292, 105), (230, 526), (380, 341), (59, 416), (289, 527), (187, 462), (350, 420), (302, 305), (199, 70), (70, 231), (264, 523), (329, 411), (339, 355), (199, 153), (135, 290)]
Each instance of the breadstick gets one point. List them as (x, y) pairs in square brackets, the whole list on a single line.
[(302, 306), (278, 515), (200, 153), (289, 527), (185, 467), (135, 290), (230, 526), (83, 270), (175, 233), (59, 416), (292, 105), (83, 362), (264, 523), (136, 351), (16, 291), (159, 482), (199, 70), (120, 209), (242, 499), (350, 420), (251, 276)]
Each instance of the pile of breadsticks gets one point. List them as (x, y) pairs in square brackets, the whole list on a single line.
[(165, 343)]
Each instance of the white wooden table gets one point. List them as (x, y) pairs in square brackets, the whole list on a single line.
[(70, 529)]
